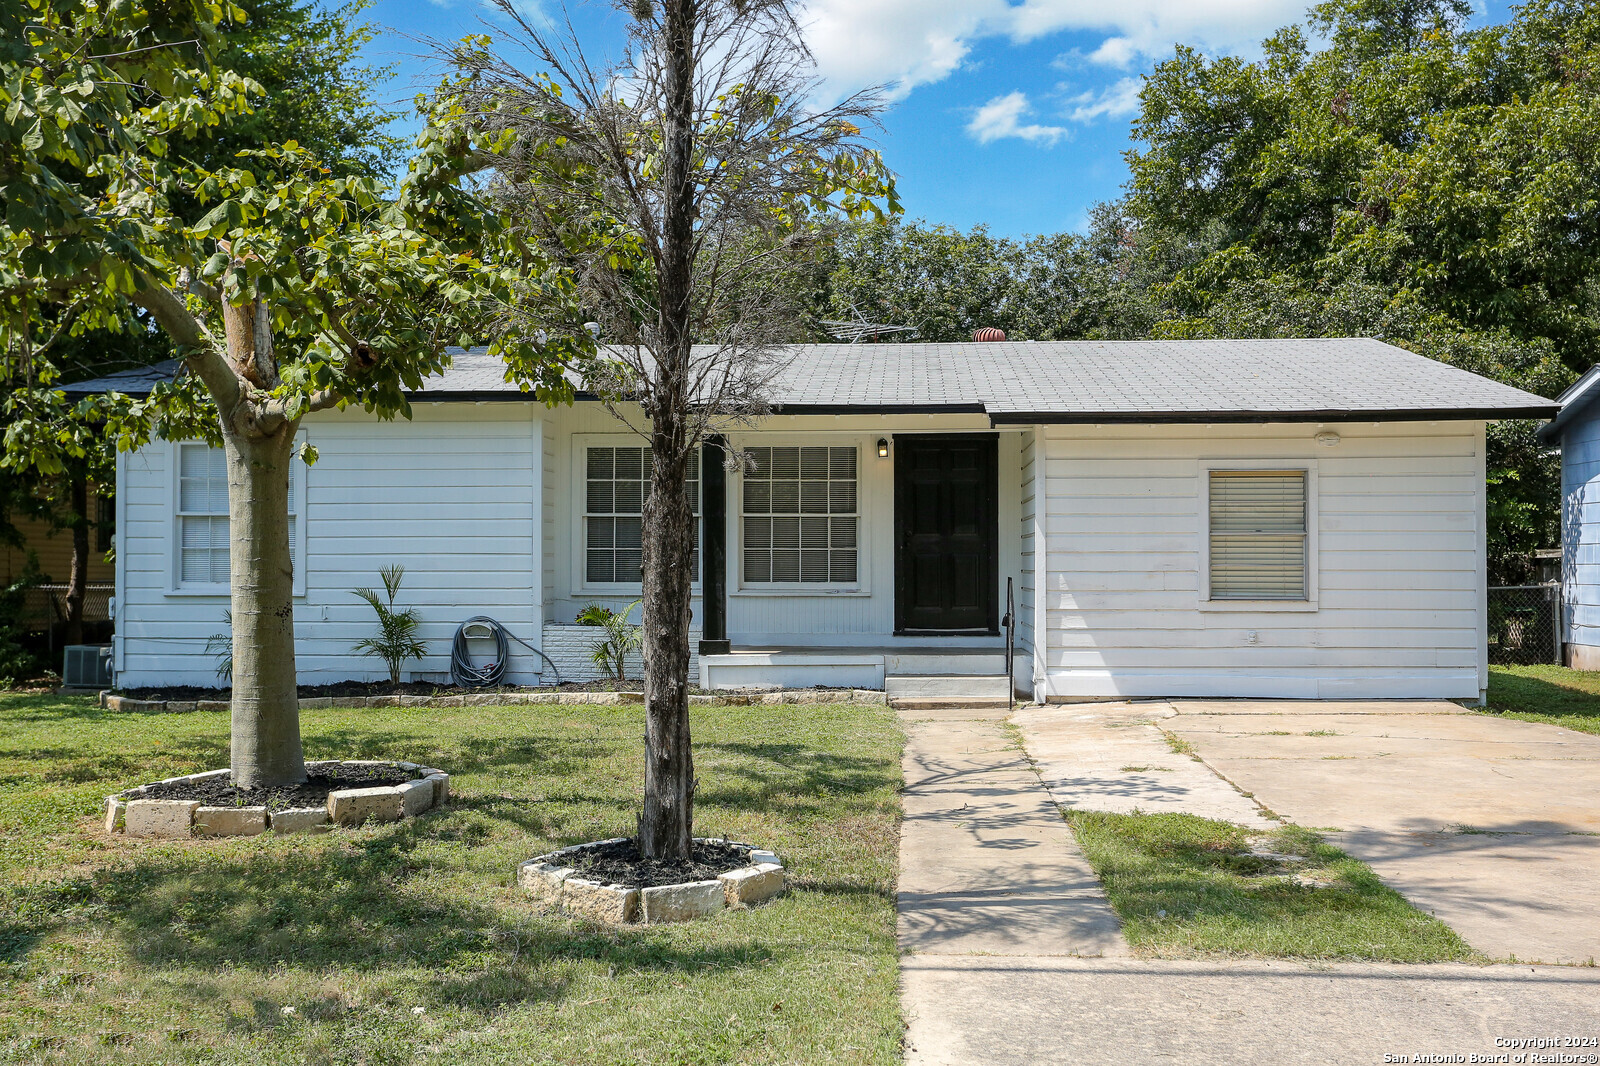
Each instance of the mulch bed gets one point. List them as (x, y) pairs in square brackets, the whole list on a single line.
[(367, 688), (321, 779), (621, 864)]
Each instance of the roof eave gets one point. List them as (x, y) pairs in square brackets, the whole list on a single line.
[(1572, 403), (1418, 414)]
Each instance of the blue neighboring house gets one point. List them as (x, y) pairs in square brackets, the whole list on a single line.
[(1577, 431)]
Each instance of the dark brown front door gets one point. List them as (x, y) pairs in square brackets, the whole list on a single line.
[(946, 518)]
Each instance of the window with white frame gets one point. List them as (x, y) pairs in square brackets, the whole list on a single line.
[(1258, 534), (800, 517), (202, 516), (617, 481)]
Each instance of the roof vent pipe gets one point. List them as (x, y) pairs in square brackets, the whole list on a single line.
[(988, 333)]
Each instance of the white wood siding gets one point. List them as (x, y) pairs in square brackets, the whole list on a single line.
[(454, 499), (792, 617), (1102, 528), (1024, 672), (1396, 565)]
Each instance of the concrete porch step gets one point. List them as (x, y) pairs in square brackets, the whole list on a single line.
[(946, 686), (950, 703), (964, 662)]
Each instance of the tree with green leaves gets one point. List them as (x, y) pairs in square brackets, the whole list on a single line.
[(298, 290), (1410, 178), (314, 90), (947, 283), (675, 183)]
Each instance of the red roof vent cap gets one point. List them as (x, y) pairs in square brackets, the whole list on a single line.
[(988, 333)]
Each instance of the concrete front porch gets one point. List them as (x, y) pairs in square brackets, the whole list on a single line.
[(902, 671)]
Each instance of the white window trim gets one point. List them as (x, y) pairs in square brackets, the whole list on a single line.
[(861, 586), (579, 489), (1308, 467), (211, 590)]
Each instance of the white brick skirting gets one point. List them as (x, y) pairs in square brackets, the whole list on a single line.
[(571, 648)]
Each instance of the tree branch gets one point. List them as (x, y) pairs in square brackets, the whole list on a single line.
[(194, 341)]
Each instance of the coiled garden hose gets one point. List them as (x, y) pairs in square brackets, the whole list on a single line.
[(469, 676)]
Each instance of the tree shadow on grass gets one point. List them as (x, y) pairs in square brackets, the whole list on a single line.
[(794, 778), (1534, 695), (359, 905), (52, 708)]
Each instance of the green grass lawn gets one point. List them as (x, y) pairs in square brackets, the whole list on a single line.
[(407, 943), (1186, 887), (1554, 695)]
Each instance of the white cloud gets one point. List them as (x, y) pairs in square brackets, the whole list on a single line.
[(1120, 100), (1002, 117), (906, 43), (897, 43), (1115, 52)]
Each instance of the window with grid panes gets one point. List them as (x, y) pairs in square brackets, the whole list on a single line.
[(800, 517), (202, 517), (1258, 534), (617, 480)]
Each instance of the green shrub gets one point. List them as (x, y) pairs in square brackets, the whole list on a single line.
[(622, 638), (397, 630)]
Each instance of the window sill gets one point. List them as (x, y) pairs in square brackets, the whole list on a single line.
[(791, 590), (1259, 606), (213, 592)]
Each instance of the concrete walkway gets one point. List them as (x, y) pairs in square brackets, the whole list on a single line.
[(975, 1011), (1011, 955), (987, 866), (1112, 757)]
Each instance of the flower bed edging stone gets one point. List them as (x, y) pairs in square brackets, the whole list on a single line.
[(166, 819), (502, 699), (548, 879)]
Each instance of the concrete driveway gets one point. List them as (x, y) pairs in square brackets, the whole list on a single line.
[(1491, 824)]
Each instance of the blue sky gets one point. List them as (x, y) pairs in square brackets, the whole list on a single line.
[(1011, 113)]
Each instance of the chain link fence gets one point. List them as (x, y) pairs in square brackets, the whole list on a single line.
[(1525, 624), (46, 605)]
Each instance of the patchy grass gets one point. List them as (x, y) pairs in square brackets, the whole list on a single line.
[(407, 943), (1179, 746), (1186, 886), (1554, 695)]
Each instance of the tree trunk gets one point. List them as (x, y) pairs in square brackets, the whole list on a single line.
[(77, 585), (666, 828), (266, 709)]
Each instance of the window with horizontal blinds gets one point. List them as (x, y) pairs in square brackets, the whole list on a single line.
[(202, 518), (1258, 534), (799, 516), (616, 482)]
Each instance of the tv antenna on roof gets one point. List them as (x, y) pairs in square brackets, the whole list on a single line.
[(858, 329)]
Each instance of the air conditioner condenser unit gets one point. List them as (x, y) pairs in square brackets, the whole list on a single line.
[(86, 666)]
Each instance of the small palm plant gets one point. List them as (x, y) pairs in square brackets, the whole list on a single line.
[(622, 639), (397, 630), (220, 648)]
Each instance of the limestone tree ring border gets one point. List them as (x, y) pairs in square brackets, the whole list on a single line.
[(551, 879), (131, 812)]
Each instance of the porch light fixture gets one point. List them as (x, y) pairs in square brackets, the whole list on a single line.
[(883, 447)]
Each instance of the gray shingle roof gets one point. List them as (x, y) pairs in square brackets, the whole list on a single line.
[(1102, 381), (135, 382)]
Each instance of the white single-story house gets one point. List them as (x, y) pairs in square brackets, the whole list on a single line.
[(1576, 430), (1257, 518)]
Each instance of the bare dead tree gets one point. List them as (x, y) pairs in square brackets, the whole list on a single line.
[(682, 182)]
